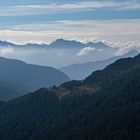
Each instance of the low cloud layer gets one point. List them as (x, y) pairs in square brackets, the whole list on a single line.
[(84, 30)]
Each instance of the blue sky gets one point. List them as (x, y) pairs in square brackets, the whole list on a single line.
[(46, 20)]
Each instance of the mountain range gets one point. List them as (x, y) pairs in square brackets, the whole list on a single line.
[(58, 44), (64, 52), (82, 70), (18, 78), (104, 106)]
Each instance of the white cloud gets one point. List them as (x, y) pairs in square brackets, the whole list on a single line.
[(50, 8), (85, 51), (126, 47)]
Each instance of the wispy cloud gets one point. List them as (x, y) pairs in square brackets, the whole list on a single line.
[(85, 51), (67, 7), (124, 47)]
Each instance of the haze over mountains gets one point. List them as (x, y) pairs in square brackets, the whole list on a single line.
[(82, 70), (58, 53), (69, 69), (18, 78), (106, 105)]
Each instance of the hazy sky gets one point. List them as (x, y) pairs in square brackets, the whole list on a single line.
[(46, 20)]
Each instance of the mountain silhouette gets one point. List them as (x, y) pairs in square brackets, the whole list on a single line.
[(22, 77)]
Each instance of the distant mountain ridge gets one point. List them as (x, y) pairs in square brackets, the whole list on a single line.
[(6, 44), (81, 71), (59, 43)]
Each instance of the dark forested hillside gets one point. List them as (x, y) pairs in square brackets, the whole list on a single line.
[(104, 106)]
